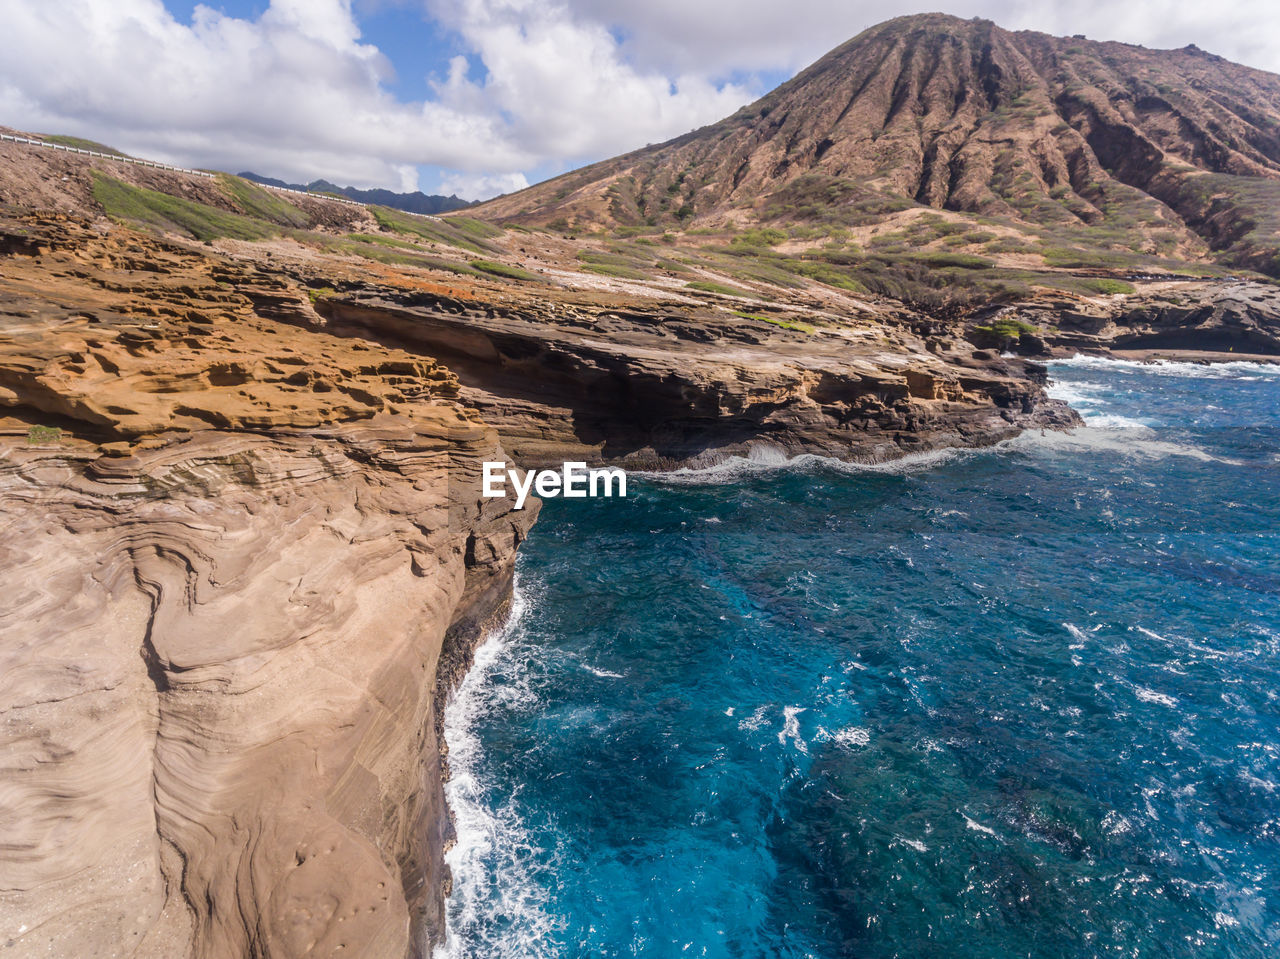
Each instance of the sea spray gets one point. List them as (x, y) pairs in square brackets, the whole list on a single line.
[(495, 908)]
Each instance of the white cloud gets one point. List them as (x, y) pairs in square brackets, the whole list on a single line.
[(477, 186), (565, 85), (294, 92), (298, 93), (717, 37)]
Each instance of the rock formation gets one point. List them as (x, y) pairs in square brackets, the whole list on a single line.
[(652, 388), (239, 558)]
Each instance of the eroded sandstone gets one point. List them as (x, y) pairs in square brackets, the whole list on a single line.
[(231, 577)]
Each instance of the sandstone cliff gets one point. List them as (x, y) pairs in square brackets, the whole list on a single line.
[(240, 560)]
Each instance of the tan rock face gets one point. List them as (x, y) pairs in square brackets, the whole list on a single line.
[(650, 388), (219, 649)]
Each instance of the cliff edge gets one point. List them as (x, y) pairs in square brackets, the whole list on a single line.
[(240, 555)]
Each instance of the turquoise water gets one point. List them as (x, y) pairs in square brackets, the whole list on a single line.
[(1016, 702)]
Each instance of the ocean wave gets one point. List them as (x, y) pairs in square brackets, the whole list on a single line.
[(1134, 440), (1230, 369), (765, 459), (1075, 393), (497, 907)]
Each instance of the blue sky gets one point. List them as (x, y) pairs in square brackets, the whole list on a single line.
[(472, 96)]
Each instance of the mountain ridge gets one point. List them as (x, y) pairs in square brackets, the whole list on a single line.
[(1175, 152), (431, 204)]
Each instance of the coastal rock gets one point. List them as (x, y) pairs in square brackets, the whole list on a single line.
[(1187, 319), (655, 388), (238, 553)]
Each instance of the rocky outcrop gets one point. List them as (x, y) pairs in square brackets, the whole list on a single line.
[(239, 555), (656, 387), (1213, 320)]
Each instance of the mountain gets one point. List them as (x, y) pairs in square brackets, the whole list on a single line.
[(1045, 140), (416, 202)]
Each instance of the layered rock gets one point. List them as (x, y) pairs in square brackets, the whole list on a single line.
[(1188, 319), (657, 386), (239, 556)]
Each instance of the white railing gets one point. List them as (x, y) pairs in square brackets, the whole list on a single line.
[(318, 196), (175, 169), (106, 156)]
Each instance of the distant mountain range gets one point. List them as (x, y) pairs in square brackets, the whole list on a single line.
[(416, 202)]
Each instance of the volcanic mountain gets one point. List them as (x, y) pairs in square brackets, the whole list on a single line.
[(1043, 139)]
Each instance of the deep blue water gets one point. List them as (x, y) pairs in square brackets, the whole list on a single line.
[(1016, 702)]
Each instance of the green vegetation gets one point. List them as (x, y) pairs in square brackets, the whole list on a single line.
[(759, 237), (43, 435), (256, 201), (1241, 215), (120, 201), (819, 198), (961, 261), (1105, 285), (383, 249), (708, 287), (318, 293), (502, 269), (462, 232), (1006, 329), (831, 276), (614, 270)]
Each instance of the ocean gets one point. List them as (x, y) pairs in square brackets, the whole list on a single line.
[(1021, 701)]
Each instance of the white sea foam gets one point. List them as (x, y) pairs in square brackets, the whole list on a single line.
[(757, 719), (1151, 696), (492, 859), (977, 826), (1069, 392), (602, 673), (791, 728), (915, 844), (1134, 440), (765, 460), (850, 736), (1231, 370)]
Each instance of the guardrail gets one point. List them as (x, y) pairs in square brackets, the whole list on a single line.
[(106, 156), (174, 169)]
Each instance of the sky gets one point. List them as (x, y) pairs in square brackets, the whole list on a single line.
[(473, 97)]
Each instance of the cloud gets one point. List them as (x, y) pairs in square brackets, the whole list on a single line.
[(478, 186), (721, 37), (294, 92), (565, 85), (299, 93)]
